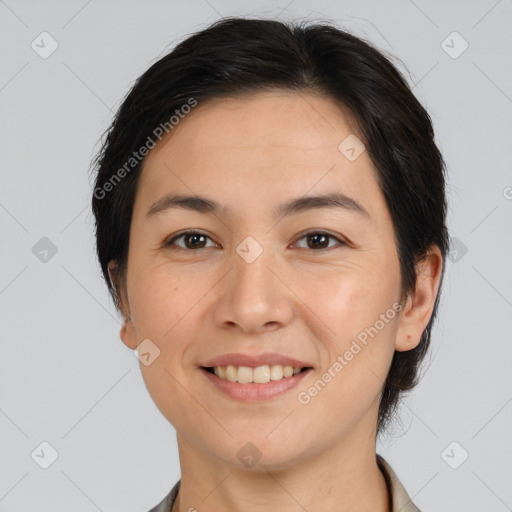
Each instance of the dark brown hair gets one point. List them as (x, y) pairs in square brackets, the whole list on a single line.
[(239, 55)]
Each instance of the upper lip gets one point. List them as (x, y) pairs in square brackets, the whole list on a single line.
[(255, 360)]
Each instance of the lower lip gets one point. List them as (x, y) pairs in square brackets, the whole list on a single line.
[(253, 392)]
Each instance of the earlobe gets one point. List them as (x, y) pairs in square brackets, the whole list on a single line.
[(420, 304), (127, 334)]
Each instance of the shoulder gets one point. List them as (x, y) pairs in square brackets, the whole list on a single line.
[(401, 502), (166, 504)]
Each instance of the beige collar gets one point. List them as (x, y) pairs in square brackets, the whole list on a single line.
[(401, 500)]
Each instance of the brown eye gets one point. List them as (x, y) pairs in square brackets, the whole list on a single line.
[(320, 240), (191, 240)]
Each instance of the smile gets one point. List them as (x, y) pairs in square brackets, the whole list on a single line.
[(257, 384), (259, 375)]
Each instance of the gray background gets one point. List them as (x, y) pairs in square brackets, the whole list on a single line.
[(65, 376)]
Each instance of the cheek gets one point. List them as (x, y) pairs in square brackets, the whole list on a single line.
[(348, 299), (160, 299), (163, 311), (355, 305)]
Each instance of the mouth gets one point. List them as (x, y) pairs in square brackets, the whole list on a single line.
[(254, 384), (255, 375)]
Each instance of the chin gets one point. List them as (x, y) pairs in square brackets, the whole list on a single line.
[(260, 453)]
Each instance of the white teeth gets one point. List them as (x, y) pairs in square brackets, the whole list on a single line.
[(259, 375), (244, 374), (231, 373), (276, 372), (288, 371)]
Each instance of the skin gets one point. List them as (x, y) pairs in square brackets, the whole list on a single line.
[(250, 154)]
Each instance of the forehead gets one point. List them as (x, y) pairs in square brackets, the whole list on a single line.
[(261, 145), (279, 119)]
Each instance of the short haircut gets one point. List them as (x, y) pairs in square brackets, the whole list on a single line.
[(234, 56)]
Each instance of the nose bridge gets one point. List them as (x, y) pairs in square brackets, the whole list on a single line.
[(251, 265), (253, 297), (252, 276)]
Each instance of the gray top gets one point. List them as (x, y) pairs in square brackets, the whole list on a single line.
[(399, 499)]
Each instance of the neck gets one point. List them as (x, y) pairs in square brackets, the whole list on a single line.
[(344, 478)]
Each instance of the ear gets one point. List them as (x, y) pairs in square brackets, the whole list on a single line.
[(420, 304), (127, 332)]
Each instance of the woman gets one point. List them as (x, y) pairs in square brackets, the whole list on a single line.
[(270, 220)]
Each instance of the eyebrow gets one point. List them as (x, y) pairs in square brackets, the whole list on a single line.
[(294, 206)]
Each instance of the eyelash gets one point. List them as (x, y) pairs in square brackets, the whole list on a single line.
[(171, 241)]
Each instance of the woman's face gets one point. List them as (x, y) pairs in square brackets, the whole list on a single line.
[(260, 284)]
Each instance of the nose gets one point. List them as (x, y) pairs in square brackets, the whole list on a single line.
[(254, 297)]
